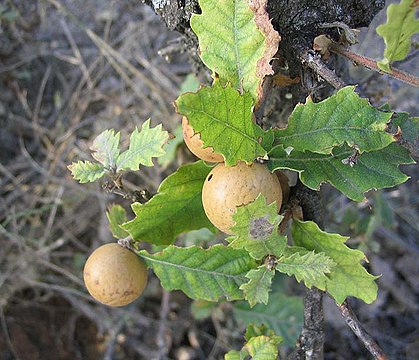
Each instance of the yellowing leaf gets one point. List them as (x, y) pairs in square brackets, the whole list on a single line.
[(232, 44), (401, 25)]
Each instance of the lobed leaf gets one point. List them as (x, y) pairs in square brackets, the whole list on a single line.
[(256, 229), (263, 348), (177, 207), (309, 267), (348, 277), (105, 148), (401, 25), (205, 274), (343, 117), (256, 290), (373, 170), (117, 216), (86, 171), (144, 145), (231, 43), (223, 118)]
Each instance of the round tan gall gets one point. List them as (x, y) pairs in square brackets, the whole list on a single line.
[(195, 145), (226, 188), (114, 275)]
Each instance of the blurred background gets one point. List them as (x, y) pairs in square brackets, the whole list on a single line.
[(68, 71)]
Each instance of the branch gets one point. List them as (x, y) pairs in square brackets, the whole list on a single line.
[(310, 343), (372, 65), (314, 62), (360, 332)]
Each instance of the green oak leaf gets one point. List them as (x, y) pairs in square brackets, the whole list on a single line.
[(256, 229), (205, 274), (409, 126), (177, 207), (373, 170), (309, 267), (86, 171), (348, 277), (257, 289), (283, 314), (105, 148), (231, 43), (223, 117), (263, 347), (343, 117), (401, 25), (117, 216), (143, 146)]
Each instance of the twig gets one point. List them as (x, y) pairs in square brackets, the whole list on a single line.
[(360, 332), (372, 65), (314, 62)]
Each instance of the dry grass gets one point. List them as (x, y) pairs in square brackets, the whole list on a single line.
[(68, 70)]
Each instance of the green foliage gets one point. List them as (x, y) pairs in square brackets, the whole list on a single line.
[(236, 355), (372, 170), (231, 44), (223, 117), (401, 25), (262, 343), (177, 207), (343, 117), (257, 289), (143, 146), (309, 267), (86, 171), (283, 314), (117, 216), (256, 229), (408, 125), (263, 347), (347, 277), (206, 274)]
